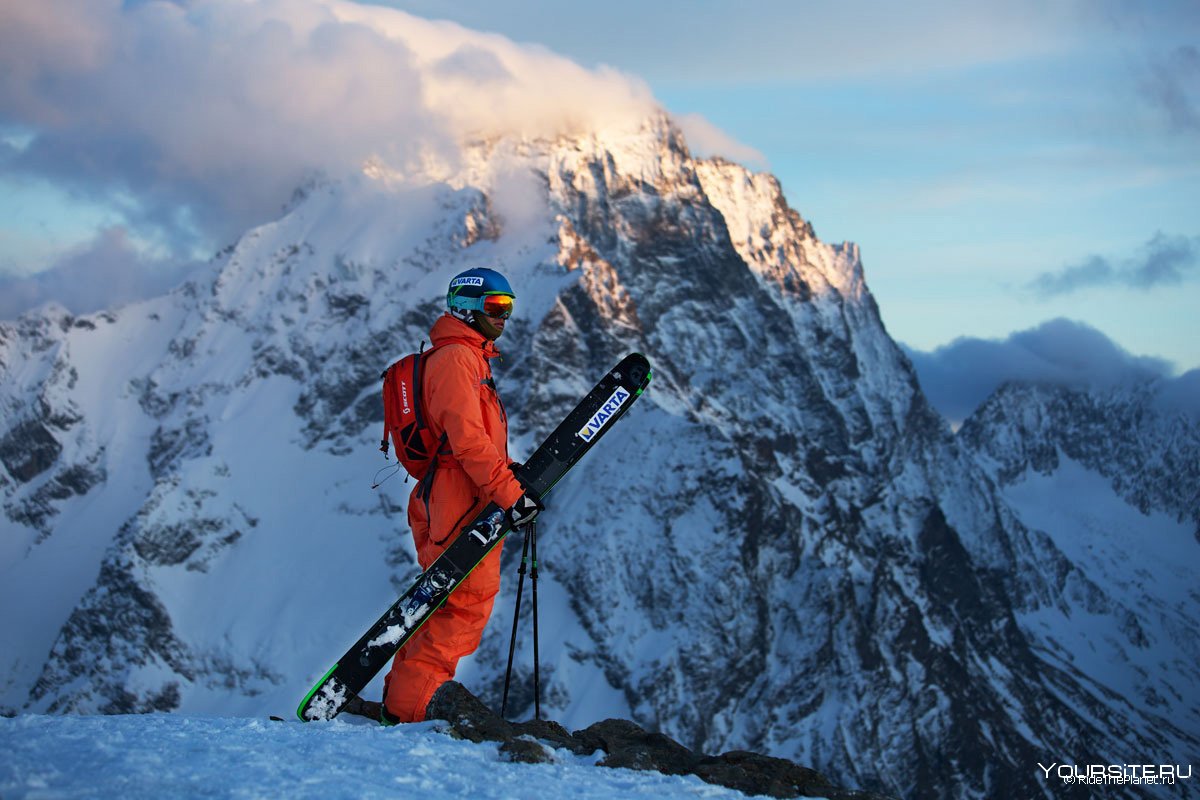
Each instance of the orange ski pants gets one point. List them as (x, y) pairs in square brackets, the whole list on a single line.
[(431, 656)]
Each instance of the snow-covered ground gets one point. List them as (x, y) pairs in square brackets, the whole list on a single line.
[(174, 755)]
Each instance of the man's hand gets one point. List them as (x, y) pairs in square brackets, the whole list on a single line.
[(525, 509)]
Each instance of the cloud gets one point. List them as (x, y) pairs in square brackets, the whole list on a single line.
[(201, 117), (959, 376), (1172, 84), (107, 272), (1162, 261), (706, 140), (1093, 271), (472, 63)]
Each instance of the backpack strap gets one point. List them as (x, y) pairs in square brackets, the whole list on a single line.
[(425, 487), (418, 384), (385, 443)]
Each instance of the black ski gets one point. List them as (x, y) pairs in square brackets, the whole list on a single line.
[(582, 428)]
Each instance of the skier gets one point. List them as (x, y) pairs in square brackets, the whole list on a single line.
[(472, 468)]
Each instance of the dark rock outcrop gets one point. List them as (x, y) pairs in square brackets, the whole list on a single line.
[(626, 744)]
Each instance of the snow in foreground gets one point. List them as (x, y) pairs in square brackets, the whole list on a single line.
[(169, 755)]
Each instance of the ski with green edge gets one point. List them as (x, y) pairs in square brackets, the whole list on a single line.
[(578, 433)]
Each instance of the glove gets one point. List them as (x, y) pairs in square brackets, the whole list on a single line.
[(525, 509)]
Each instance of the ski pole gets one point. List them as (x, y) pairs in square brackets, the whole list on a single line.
[(537, 686), (512, 644)]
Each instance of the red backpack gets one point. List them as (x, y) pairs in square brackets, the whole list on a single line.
[(403, 419)]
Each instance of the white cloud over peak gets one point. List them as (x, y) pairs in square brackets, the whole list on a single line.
[(706, 140), (205, 114)]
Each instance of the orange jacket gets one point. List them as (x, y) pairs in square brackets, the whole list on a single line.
[(461, 402)]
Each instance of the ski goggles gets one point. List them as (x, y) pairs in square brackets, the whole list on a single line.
[(496, 306)]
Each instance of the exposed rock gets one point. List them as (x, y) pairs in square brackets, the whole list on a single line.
[(28, 449), (629, 746), (468, 717), (754, 773), (40, 507), (526, 751)]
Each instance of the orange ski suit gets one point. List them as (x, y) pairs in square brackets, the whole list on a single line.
[(460, 401)]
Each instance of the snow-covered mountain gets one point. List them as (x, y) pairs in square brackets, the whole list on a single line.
[(1112, 478), (782, 548)]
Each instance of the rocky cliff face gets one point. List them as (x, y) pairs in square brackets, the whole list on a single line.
[(782, 548)]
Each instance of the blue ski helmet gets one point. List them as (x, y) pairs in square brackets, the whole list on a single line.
[(479, 289)]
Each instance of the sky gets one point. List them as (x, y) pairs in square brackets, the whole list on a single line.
[(1009, 169)]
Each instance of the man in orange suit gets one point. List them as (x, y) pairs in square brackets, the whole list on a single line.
[(472, 469)]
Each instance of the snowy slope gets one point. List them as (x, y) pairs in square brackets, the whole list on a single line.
[(781, 548), (164, 755)]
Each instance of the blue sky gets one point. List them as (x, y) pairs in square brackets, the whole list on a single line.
[(1001, 165)]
